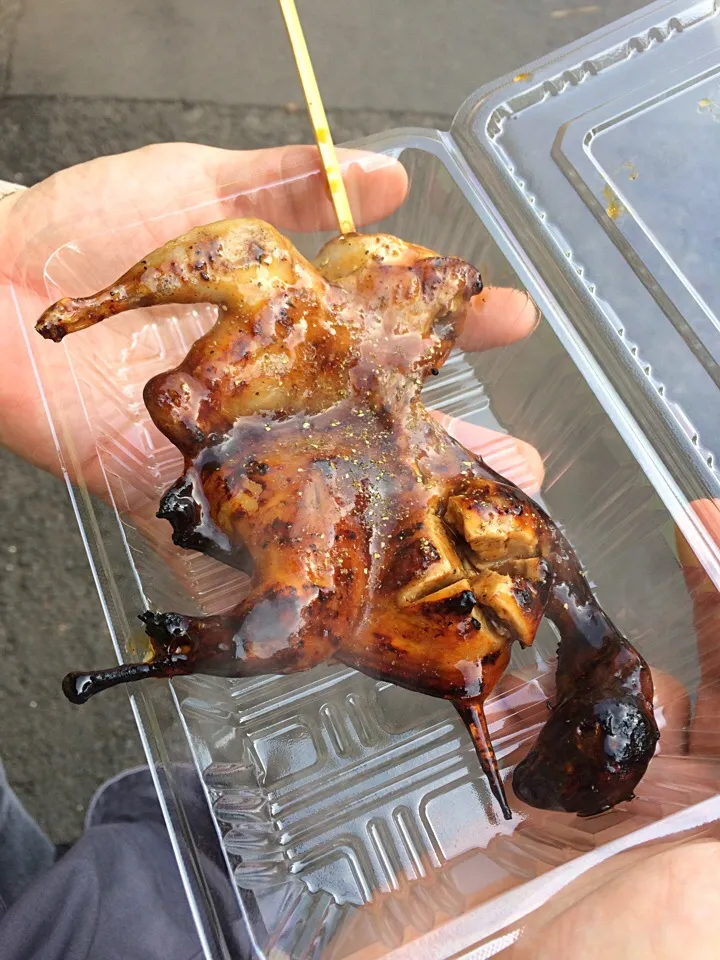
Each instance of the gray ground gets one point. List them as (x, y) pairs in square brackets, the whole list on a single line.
[(90, 77)]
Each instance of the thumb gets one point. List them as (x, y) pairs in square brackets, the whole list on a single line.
[(705, 597)]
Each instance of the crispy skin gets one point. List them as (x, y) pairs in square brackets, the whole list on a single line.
[(374, 539)]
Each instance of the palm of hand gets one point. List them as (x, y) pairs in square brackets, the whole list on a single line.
[(652, 903), (131, 198)]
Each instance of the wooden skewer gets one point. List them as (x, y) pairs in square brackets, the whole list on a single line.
[(321, 129)]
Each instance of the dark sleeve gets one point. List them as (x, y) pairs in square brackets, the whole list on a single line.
[(116, 895)]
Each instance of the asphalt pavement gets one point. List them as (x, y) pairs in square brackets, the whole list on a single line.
[(82, 78)]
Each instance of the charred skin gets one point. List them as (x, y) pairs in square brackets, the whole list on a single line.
[(594, 750), (374, 539)]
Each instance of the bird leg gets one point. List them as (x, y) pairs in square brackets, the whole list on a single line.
[(601, 733), (78, 687), (218, 263), (474, 719), (274, 630)]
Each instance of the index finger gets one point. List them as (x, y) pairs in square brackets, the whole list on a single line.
[(497, 317), (144, 198), (289, 188)]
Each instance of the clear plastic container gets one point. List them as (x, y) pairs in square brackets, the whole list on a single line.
[(329, 815)]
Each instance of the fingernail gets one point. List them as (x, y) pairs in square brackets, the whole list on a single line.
[(686, 557), (538, 314), (372, 161)]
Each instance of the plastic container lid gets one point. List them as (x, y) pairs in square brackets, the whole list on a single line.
[(601, 161)]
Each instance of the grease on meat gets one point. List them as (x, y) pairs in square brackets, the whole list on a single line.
[(374, 539)]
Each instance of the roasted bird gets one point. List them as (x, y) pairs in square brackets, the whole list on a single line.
[(374, 539)]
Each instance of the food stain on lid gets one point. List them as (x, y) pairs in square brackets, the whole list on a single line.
[(615, 207)]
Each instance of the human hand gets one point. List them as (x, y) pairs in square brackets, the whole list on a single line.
[(90, 202), (119, 208), (650, 903)]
